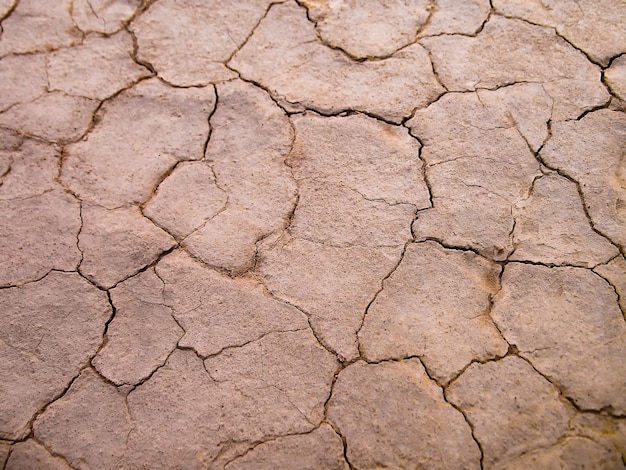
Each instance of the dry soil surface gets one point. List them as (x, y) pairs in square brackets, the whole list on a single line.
[(312, 234)]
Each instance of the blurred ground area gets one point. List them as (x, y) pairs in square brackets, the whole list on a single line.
[(255, 234)]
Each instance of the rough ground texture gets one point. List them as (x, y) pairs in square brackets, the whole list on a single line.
[(312, 234)]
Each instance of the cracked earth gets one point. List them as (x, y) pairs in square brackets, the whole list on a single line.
[(347, 234)]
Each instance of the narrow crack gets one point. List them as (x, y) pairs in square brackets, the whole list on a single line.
[(53, 453), (564, 397), (335, 428), (382, 287), (556, 32), (581, 194), (465, 417), (269, 439), (252, 31)]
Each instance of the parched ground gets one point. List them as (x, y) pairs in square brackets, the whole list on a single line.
[(343, 234)]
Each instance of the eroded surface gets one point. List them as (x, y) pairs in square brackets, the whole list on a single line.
[(339, 234)]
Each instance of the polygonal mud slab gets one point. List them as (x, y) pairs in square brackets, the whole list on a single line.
[(391, 415), (103, 16), (250, 141), (96, 69), (38, 25), (189, 41), (510, 51), (38, 233), (512, 409), (247, 398), (55, 117), (615, 77), (218, 312), (13, 69), (368, 29), (143, 333), (30, 454), (435, 305), (597, 28), (117, 243), (49, 330), (591, 151), (327, 80), (551, 227), (140, 135), (89, 425), (573, 452), (567, 322), (332, 285), (479, 153)]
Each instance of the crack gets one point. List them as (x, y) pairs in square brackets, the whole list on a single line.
[(53, 453), (423, 171), (608, 409), (581, 194), (20, 103), (548, 265), (80, 229), (512, 351), (135, 52), (138, 384), (252, 31), (445, 398), (345, 112), (620, 300), (556, 32), (33, 281), (144, 5), (308, 316), (512, 239), (382, 286), (454, 247), (342, 366), (291, 108), (137, 272), (130, 420), (255, 444), (8, 13), (592, 109), (58, 396), (245, 343), (210, 132)]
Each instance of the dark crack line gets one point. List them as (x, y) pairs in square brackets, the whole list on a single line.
[(308, 315), (135, 52), (335, 428), (9, 12), (299, 108), (255, 444), (57, 397), (371, 302), (246, 343), (563, 395), (53, 453), (252, 31), (581, 194), (465, 418), (613, 286)]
